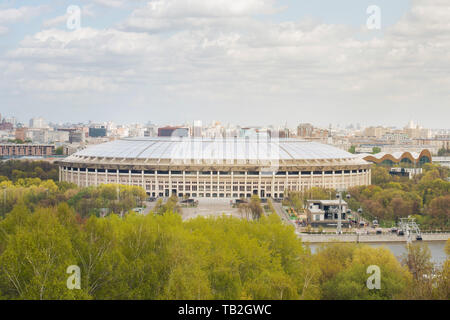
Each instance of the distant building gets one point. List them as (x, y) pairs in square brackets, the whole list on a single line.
[(405, 172), (21, 150), (173, 132), (412, 158), (76, 137), (38, 123), (443, 161), (6, 126), (325, 213), (97, 132), (21, 134), (308, 132)]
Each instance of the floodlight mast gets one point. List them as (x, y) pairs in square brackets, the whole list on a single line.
[(339, 226)]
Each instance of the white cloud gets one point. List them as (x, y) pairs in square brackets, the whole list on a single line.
[(15, 15), (178, 14), (110, 3), (220, 55)]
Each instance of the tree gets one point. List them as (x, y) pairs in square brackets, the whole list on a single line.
[(59, 151), (439, 209), (34, 263), (443, 152), (255, 207), (380, 175), (352, 149), (418, 261), (376, 150), (350, 282)]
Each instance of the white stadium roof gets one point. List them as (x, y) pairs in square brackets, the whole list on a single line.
[(198, 148)]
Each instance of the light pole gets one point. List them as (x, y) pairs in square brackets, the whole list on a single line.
[(339, 225)]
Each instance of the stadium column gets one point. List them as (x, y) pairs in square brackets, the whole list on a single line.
[(87, 177), (323, 179), (311, 183), (184, 181), (245, 183), (96, 177), (71, 174), (286, 183), (78, 177), (343, 179), (218, 184), (170, 183), (334, 179), (273, 184), (156, 183), (300, 181), (259, 184), (129, 177), (106, 176), (232, 182), (198, 182), (211, 182), (117, 176), (143, 181), (370, 176)]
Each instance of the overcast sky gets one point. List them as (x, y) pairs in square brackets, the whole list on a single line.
[(239, 61)]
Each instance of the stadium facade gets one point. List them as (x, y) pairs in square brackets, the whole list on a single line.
[(216, 168)]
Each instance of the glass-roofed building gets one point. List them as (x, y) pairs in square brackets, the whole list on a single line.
[(216, 168)]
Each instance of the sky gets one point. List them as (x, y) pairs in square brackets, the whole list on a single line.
[(254, 62)]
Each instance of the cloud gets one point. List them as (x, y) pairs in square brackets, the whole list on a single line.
[(21, 14), (219, 55), (160, 15), (110, 3)]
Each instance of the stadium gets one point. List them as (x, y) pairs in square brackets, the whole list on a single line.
[(216, 168)]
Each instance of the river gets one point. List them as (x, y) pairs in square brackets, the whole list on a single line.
[(398, 249)]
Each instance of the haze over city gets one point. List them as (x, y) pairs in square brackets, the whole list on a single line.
[(254, 61)]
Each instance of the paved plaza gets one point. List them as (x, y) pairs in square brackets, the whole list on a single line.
[(211, 207)]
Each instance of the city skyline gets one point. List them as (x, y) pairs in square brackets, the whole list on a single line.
[(261, 62)]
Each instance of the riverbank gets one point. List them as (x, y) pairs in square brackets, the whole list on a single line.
[(368, 238)]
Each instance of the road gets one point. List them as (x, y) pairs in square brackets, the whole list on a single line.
[(279, 210)]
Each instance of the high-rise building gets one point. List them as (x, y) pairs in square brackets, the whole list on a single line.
[(38, 123)]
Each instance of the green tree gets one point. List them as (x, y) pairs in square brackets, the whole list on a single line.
[(376, 150), (34, 263)]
